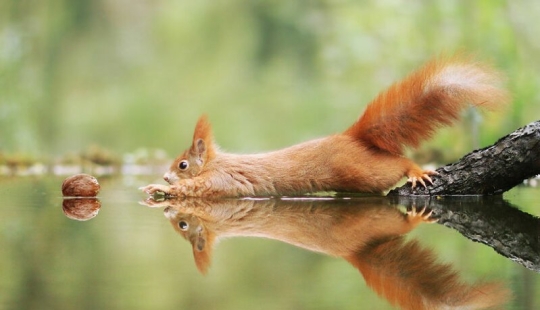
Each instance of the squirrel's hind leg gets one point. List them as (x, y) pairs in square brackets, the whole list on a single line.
[(415, 174)]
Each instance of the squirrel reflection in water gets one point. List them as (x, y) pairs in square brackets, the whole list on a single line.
[(369, 235)]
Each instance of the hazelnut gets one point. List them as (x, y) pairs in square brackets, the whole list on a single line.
[(80, 185)]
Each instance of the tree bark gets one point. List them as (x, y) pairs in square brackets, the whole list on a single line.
[(489, 171)]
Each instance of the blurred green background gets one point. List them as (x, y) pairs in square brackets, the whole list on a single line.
[(129, 74)]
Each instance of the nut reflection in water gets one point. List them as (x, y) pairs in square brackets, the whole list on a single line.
[(81, 209)]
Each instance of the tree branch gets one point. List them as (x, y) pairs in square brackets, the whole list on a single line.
[(489, 171)]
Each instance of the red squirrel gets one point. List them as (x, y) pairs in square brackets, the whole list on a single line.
[(368, 233), (365, 158)]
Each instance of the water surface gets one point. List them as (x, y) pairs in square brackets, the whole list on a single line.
[(130, 256)]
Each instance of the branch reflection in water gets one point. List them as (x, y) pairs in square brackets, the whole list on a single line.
[(366, 232)]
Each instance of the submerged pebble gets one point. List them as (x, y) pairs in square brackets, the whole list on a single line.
[(80, 185)]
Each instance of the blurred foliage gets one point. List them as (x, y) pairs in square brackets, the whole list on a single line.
[(124, 74), (127, 76)]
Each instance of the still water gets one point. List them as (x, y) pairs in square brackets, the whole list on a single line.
[(129, 255)]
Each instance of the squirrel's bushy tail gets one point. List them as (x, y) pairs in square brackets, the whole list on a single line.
[(411, 110)]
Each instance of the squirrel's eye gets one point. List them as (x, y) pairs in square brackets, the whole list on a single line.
[(183, 225), (183, 165)]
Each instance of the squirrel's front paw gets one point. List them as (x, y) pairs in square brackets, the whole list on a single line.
[(156, 189)]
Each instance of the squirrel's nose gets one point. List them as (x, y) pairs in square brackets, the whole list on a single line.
[(170, 177)]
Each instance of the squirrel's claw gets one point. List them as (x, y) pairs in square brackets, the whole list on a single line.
[(155, 188), (423, 178)]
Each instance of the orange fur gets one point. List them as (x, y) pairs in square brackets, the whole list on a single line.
[(369, 235), (366, 158)]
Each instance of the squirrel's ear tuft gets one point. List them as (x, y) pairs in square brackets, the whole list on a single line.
[(203, 139), (203, 129)]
